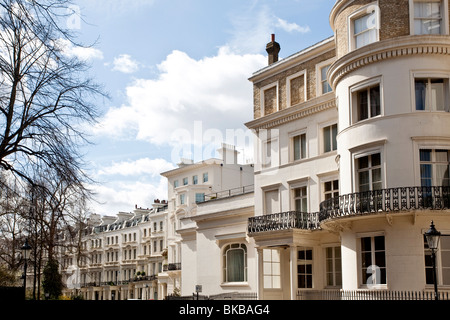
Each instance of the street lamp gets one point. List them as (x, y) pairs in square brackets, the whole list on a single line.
[(433, 237), (25, 248)]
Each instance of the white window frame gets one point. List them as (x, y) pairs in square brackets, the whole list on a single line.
[(293, 185), (322, 136), (333, 272), (433, 162), (364, 153), (420, 143), (225, 250), (267, 189), (439, 265), (430, 74), (182, 198), (306, 262), (263, 90), (369, 169), (288, 87), (272, 160), (327, 177), (271, 269), (366, 10), (365, 85), (292, 135), (371, 235), (319, 80), (444, 16)]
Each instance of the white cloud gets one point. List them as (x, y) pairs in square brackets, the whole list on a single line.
[(191, 101), (252, 29), (123, 196), (82, 53), (290, 27), (124, 63), (143, 166)]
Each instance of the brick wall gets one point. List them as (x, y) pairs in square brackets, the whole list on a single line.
[(394, 21), (297, 86)]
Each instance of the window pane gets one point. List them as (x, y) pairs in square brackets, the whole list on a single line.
[(427, 17), (361, 24), (425, 155), (421, 86), (366, 259), (297, 148), (364, 181), (380, 260), (379, 243), (376, 159), (366, 244), (334, 136), (235, 265), (327, 139), (362, 105), (365, 38), (375, 108), (376, 179), (437, 94), (363, 162), (300, 147), (325, 85)]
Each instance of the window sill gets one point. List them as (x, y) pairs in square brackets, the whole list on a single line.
[(235, 284)]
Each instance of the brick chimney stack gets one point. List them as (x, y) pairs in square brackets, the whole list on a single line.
[(273, 48)]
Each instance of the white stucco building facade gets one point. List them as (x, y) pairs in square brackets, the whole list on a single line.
[(353, 172)]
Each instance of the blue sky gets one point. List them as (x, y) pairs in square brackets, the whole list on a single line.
[(177, 73)]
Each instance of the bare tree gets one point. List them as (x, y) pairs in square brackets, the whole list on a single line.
[(45, 97)]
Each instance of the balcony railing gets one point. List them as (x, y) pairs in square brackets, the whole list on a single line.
[(356, 204), (229, 193), (369, 295), (172, 267), (283, 221), (386, 200)]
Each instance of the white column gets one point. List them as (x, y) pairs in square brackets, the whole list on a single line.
[(293, 269), (260, 273)]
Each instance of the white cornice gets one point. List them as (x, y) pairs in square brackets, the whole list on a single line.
[(308, 108), (385, 50)]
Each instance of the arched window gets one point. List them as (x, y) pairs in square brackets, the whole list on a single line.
[(235, 263)]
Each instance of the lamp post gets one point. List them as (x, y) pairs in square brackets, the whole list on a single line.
[(25, 248), (433, 237)]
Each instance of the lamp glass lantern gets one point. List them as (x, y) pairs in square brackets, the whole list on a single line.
[(433, 236), (25, 248)]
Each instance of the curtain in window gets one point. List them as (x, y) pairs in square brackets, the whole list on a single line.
[(365, 30), (235, 265), (427, 18)]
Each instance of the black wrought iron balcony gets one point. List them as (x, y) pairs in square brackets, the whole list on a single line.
[(172, 267), (283, 221), (386, 200), (356, 204)]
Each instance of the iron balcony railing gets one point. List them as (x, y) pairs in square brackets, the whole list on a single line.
[(283, 221), (229, 193), (354, 204), (172, 266), (386, 200), (337, 294)]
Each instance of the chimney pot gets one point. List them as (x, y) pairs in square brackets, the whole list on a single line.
[(273, 48)]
